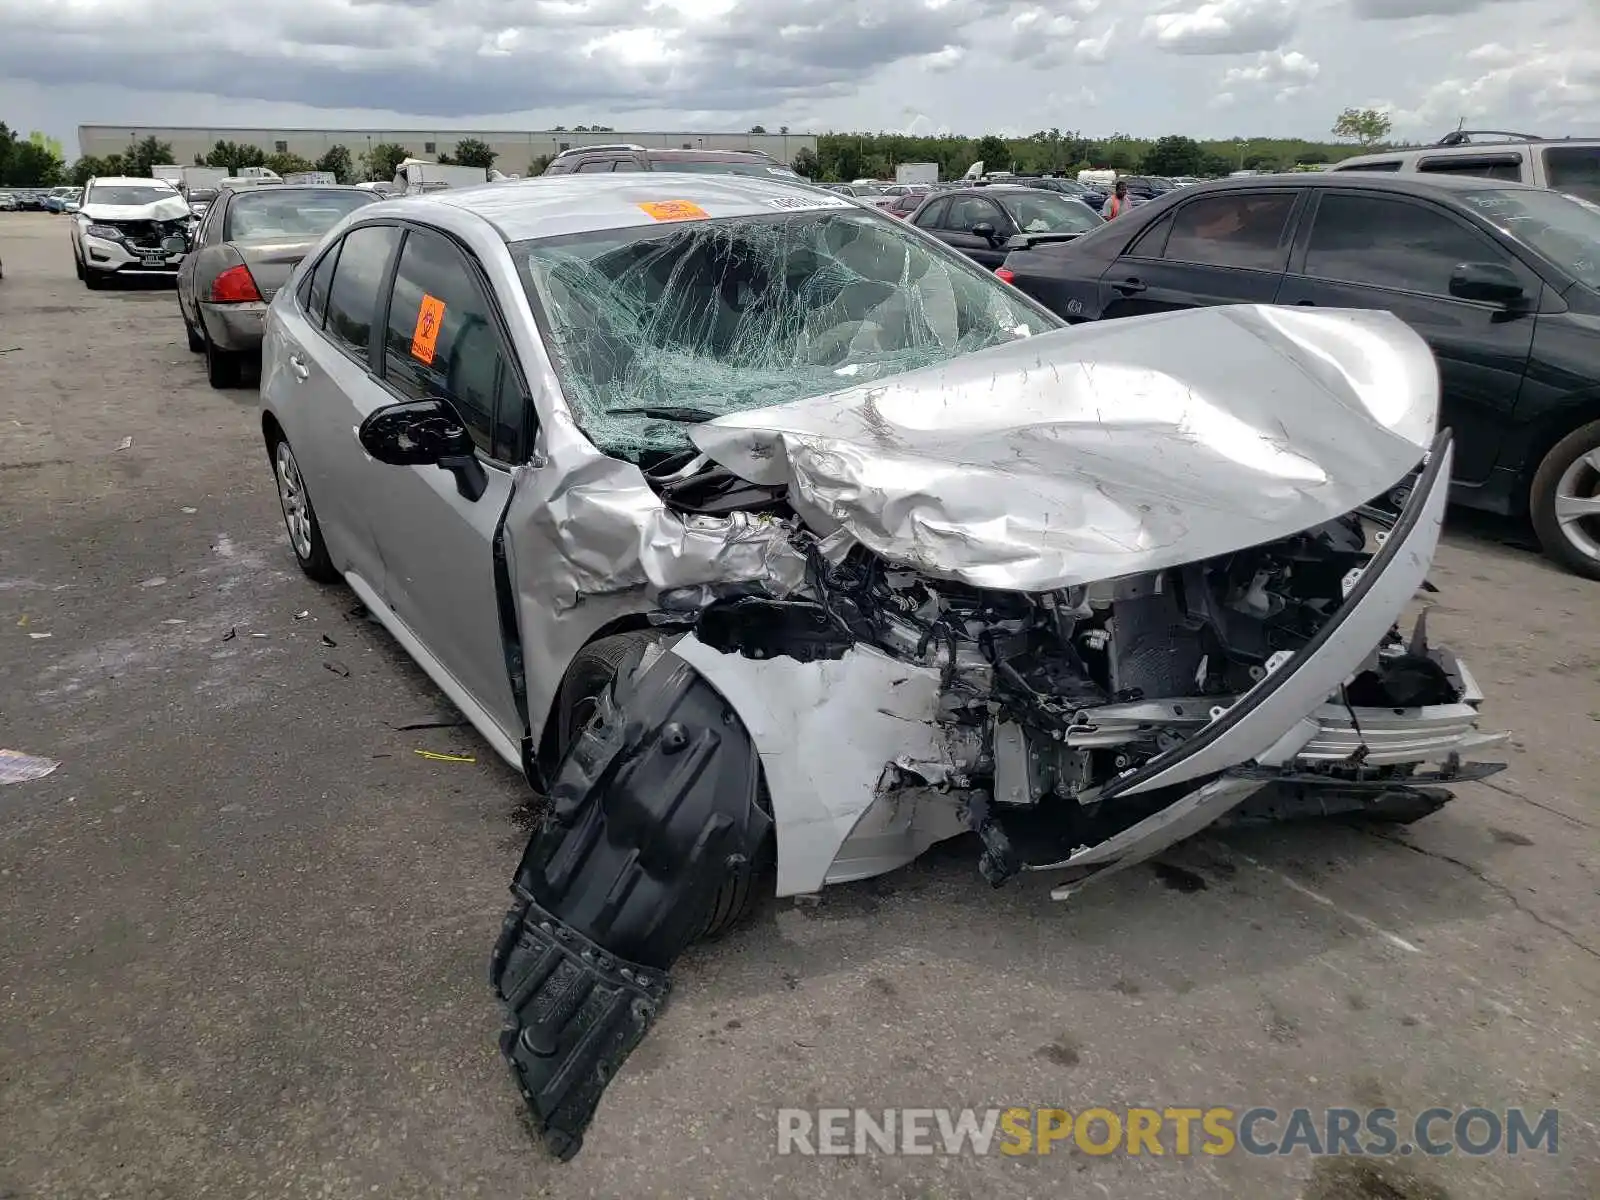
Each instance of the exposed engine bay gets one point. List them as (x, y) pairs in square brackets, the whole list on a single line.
[(1077, 596)]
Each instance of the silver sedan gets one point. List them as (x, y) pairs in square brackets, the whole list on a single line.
[(763, 532), (245, 248)]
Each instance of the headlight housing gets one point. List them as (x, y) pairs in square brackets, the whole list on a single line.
[(109, 232)]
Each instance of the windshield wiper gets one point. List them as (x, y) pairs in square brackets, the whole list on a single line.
[(662, 412)]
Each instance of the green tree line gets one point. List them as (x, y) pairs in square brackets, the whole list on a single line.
[(846, 156), (37, 161)]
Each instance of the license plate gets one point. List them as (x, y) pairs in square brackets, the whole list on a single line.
[(153, 258)]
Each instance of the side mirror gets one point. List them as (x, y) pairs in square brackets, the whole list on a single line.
[(425, 433), (984, 230), (1490, 283), (175, 244)]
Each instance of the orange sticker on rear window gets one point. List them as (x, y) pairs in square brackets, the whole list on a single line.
[(426, 335), (675, 210)]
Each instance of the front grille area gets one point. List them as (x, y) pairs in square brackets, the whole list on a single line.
[(147, 235)]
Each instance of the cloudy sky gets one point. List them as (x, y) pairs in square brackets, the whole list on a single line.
[(1201, 67)]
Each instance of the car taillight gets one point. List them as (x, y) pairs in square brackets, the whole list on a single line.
[(234, 286), (1005, 276)]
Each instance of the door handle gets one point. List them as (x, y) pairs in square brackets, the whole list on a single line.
[(1129, 286), (301, 371)]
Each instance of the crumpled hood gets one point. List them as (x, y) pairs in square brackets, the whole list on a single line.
[(1101, 450), (167, 209)]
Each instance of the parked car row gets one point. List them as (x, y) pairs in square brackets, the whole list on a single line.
[(1501, 279)]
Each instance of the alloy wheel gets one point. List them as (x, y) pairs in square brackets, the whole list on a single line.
[(1578, 504), (292, 496)]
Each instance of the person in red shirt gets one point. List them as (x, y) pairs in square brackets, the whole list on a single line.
[(1118, 203)]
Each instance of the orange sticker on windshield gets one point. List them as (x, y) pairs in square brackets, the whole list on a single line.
[(675, 210), (426, 335)]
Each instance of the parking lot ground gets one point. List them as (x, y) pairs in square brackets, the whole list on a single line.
[(244, 928)]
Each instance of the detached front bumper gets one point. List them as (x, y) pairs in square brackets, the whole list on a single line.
[(1291, 727)]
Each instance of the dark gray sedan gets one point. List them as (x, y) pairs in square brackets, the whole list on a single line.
[(245, 249)]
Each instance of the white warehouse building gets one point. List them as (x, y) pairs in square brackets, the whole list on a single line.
[(515, 148)]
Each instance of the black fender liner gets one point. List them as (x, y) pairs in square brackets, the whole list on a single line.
[(653, 810)]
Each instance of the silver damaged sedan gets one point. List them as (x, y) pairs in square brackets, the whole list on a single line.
[(774, 542)]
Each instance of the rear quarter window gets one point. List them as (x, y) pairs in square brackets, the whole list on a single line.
[(1574, 170)]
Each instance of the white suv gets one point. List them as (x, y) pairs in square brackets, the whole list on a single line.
[(1570, 165), (119, 228)]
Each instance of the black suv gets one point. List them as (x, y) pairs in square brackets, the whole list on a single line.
[(1503, 280), (622, 156)]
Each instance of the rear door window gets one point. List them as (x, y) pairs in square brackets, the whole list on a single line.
[(354, 294), (966, 213), (1477, 166), (443, 340), (932, 216), (1236, 229), (314, 295), (1392, 243), (1574, 170)]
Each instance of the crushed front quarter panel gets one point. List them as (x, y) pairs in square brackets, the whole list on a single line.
[(1098, 451)]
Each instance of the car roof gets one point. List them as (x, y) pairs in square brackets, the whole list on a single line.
[(552, 205), (1384, 181)]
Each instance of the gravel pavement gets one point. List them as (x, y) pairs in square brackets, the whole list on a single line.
[(244, 928)]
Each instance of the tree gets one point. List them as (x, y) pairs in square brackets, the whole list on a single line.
[(381, 161), (31, 162), (470, 152), (806, 165), (89, 167), (538, 163), (144, 154), (1173, 155), (758, 129), (287, 164), (1365, 125), (783, 129), (336, 160), (994, 152), (233, 155)]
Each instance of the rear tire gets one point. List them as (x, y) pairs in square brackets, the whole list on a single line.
[(299, 518), (1569, 473), (222, 366), (197, 344)]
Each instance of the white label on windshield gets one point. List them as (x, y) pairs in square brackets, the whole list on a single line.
[(808, 202)]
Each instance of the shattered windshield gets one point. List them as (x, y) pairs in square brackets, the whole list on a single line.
[(1564, 229), (658, 328), (1046, 212)]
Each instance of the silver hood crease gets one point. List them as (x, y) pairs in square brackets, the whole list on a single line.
[(1101, 450)]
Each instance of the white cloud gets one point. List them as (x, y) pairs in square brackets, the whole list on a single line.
[(1095, 49), (1224, 26), (1205, 68), (1532, 85), (947, 59)]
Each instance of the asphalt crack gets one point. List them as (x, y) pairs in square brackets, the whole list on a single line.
[(1516, 795), (1496, 886)]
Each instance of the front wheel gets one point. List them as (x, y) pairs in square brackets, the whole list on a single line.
[(1565, 501), (299, 518)]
